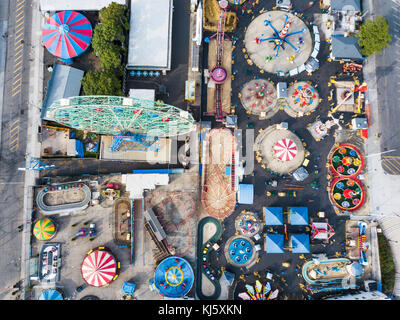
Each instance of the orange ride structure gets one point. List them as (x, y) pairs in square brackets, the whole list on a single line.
[(219, 180)]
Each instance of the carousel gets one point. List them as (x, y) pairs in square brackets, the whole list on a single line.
[(259, 97), (44, 229), (67, 34), (247, 223), (51, 294), (279, 150), (100, 267), (347, 194), (303, 98), (346, 161)]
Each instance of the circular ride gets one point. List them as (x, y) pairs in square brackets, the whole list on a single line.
[(67, 34), (302, 98), (280, 150), (174, 277), (278, 41), (255, 291), (44, 229), (218, 74), (240, 251), (346, 160), (100, 267), (51, 294), (258, 96), (347, 194), (247, 223)]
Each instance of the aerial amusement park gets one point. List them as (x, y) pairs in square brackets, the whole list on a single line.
[(269, 174)]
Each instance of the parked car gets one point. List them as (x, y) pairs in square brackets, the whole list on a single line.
[(92, 230)]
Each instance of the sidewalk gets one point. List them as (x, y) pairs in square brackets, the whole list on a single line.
[(33, 146), (383, 188)]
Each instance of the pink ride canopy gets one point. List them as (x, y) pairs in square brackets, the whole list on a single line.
[(67, 34), (99, 268), (285, 149)]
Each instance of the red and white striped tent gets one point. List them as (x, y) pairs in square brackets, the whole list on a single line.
[(322, 231), (285, 149), (99, 268)]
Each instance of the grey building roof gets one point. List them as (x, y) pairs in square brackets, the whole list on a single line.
[(65, 82), (345, 48), (282, 90), (345, 5)]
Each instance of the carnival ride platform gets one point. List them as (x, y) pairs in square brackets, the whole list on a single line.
[(226, 86), (218, 191)]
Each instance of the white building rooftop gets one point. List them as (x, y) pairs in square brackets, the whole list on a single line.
[(150, 35)]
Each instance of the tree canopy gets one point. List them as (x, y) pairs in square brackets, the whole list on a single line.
[(374, 36), (101, 83)]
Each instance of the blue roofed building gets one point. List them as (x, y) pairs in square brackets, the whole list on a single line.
[(274, 243), (246, 193), (298, 216), (65, 82), (273, 216), (300, 243)]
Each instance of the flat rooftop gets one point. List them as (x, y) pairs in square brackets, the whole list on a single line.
[(150, 35)]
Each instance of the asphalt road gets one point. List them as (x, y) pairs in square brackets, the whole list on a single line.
[(388, 83), (13, 139)]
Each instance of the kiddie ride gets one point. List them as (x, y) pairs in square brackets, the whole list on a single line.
[(273, 193), (351, 67)]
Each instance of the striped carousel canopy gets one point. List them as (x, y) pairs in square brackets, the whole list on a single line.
[(44, 229), (67, 34)]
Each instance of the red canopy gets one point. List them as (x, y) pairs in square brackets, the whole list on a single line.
[(99, 268)]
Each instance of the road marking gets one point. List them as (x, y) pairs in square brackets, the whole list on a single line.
[(19, 19), (22, 22), (18, 56), (19, 46), (15, 93), (388, 169), (21, 34), (19, 68), (22, 12), (19, 79)]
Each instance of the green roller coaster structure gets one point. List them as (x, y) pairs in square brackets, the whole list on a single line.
[(110, 115)]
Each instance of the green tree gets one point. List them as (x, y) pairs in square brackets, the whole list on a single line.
[(115, 21), (101, 83), (374, 36)]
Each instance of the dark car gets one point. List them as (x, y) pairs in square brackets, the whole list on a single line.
[(92, 230)]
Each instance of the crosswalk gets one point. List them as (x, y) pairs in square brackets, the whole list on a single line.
[(391, 164)]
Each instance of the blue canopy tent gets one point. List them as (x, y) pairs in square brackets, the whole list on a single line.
[(246, 193), (298, 216), (300, 243), (273, 216), (274, 243), (51, 294), (128, 288)]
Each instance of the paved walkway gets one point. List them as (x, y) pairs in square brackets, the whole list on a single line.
[(383, 187)]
